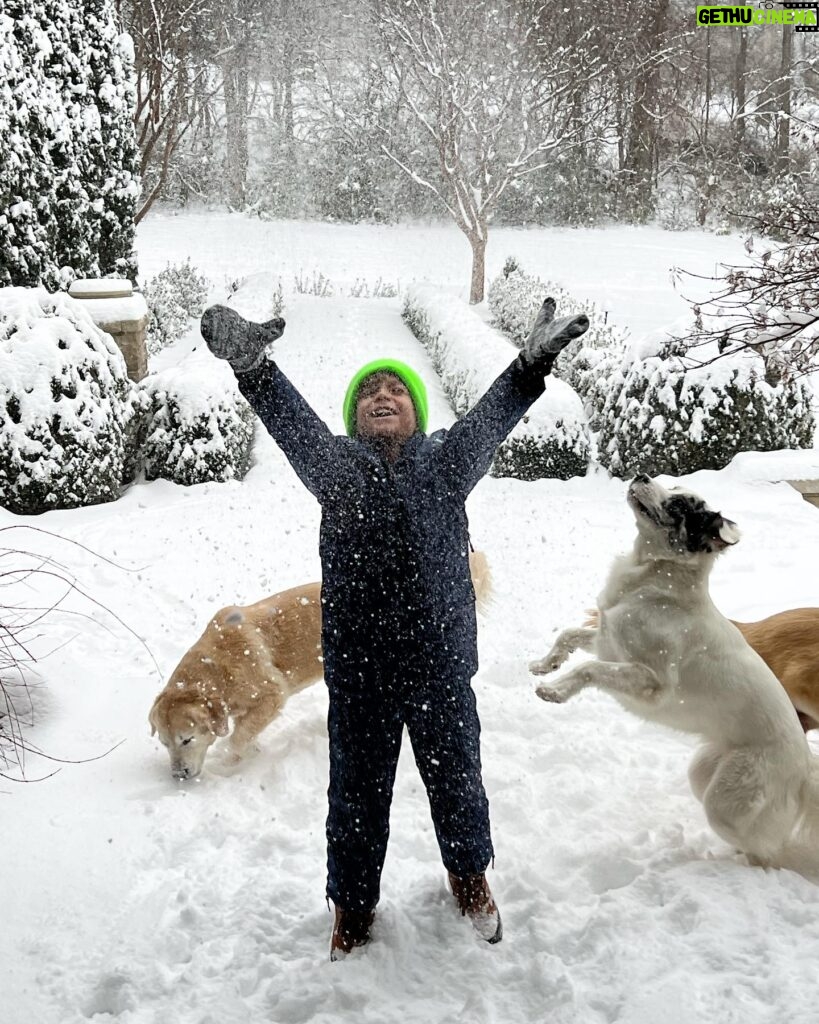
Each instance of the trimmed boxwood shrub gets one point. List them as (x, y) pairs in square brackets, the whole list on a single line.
[(662, 416), (514, 297), (199, 429), (551, 440), (69, 415)]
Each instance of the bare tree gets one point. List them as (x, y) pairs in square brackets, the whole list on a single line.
[(741, 85), (783, 126), (770, 304), (34, 589), (641, 149), (490, 95), (173, 60), (241, 43)]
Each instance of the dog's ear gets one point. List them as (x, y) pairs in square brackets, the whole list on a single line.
[(152, 720), (725, 534)]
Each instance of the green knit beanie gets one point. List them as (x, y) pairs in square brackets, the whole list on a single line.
[(408, 376)]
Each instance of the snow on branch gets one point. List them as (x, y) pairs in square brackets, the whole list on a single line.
[(771, 303)]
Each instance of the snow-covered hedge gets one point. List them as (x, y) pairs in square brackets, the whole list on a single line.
[(664, 416), (514, 297), (69, 415), (200, 427), (551, 440), (176, 294)]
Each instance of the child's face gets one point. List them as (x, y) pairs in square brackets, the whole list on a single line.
[(384, 408)]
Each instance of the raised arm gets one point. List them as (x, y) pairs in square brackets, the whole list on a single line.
[(471, 443), (303, 437), (469, 447)]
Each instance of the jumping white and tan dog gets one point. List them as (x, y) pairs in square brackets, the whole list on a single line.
[(247, 663), (666, 654), (788, 643)]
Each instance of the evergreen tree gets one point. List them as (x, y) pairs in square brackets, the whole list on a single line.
[(114, 167), (68, 185), (27, 96), (72, 152)]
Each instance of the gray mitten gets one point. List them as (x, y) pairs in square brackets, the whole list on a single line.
[(549, 337), (242, 342)]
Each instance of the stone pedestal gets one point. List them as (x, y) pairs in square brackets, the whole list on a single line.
[(809, 489), (115, 309)]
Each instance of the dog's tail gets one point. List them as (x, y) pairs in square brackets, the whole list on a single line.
[(481, 579), (593, 620)]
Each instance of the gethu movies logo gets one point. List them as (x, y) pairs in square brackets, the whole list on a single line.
[(803, 16)]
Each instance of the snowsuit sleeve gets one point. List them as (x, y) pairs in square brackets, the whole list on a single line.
[(469, 447), (304, 438)]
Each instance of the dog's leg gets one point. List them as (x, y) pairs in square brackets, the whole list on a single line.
[(749, 809), (248, 726), (569, 641), (623, 679), (702, 768)]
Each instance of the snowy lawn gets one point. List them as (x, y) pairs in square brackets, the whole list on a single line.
[(129, 897)]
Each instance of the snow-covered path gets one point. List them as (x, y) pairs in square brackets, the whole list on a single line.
[(128, 897)]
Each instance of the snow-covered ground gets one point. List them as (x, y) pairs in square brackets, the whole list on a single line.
[(624, 270), (129, 897)]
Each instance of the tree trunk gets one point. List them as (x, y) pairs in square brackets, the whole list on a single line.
[(236, 109), (477, 239), (288, 125), (642, 139), (740, 86), (783, 124), (707, 122)]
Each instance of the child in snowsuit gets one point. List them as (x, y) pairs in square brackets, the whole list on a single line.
[(398, 605)]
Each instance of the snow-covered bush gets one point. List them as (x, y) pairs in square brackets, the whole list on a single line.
[(514, 297), (176, 294), (664, 415), (200, 427), (551, 440), (596, 373), (360, 289), (318, 285), (69, 415)]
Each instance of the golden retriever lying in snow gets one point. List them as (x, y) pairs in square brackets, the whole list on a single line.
[(244, 666)]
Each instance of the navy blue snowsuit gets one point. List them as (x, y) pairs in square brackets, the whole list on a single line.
[(398, 619)]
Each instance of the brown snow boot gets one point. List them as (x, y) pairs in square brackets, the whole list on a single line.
[(475, 901), (351, 928)]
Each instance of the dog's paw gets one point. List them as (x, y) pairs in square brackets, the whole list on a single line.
[(550, 694), (551, 663), (652, 691)]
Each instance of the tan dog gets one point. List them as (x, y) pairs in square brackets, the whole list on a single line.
[(788, 643), (244, 666)]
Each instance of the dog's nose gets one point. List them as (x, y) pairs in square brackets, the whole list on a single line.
[(181, 773), (642, 478)]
